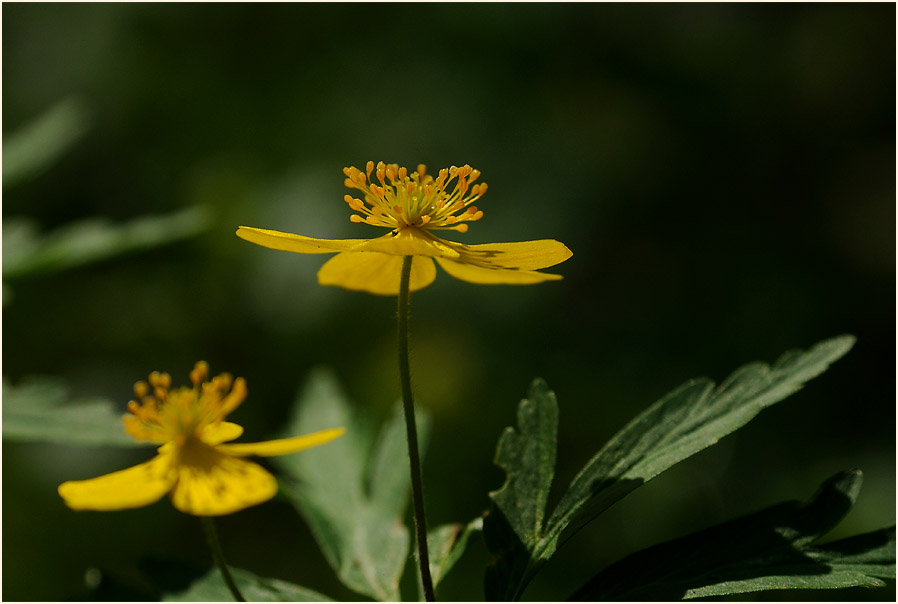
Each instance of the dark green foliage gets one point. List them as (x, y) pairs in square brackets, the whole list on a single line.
[(768, 550)]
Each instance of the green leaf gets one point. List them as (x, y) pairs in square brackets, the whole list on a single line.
[(446, 544), (353, 492), (26, 252), (211, 588), (691, 418), (768, 550), (36, 145), (514, 524), (38, 409)]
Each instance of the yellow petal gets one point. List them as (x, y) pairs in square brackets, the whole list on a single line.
[(211, 483), (300, 244), (410, 241), (375, 273), (221, 432), (522, 255), (494, 276), (282, 446), (132, 488)]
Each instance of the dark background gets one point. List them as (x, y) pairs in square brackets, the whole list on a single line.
[(724, 174)]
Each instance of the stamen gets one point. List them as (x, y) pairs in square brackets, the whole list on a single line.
[(199, 373), (403, 199)]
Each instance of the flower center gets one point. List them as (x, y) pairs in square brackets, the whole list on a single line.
[(415, 200), (180, 415)]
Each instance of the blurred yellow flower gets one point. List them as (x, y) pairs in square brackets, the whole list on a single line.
[(413, 206), (204, 476)]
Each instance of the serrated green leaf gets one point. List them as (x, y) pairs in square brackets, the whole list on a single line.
[(211, 588), (38, 409), (91, 240), (768, 550), (514, 524), (691, 418), (446, 544), (36, 145), (353, 492)]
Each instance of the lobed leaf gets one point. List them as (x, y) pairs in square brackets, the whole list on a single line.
[(691, 418), (354, 491), (211, 588), (514, 524), (763, 551), (38, 409)]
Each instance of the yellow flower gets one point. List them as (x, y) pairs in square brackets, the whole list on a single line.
[(204, 476), (413, 206)]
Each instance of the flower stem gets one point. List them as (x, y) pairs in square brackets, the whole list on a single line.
[(408, 406), (215, 546)]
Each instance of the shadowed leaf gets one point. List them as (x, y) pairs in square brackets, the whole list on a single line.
[(768, 550)]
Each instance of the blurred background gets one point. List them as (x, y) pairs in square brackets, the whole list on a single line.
[(724, 174)]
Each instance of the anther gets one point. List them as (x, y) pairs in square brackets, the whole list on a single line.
[(462, 228), (141, 389), (199, 373), (368, 168), (356, 218)]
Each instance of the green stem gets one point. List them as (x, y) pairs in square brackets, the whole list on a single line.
[(408, 405), (218, 556)]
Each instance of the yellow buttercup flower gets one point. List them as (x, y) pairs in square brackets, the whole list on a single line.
[(413, 206), (204, 476)]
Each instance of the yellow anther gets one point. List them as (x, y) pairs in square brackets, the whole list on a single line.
[(462, 228), (422, 170), (141, 389), (475, 174), (159, 392), (425, 219), (154, 378), (477, 215), (403, 173), (199, 373), (356, 218), (369, 167), (372, 220), (391, 173)]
